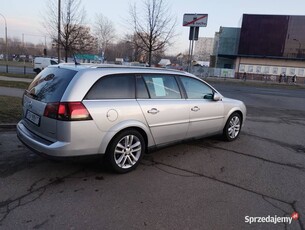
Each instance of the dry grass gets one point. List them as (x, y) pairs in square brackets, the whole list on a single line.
[(29, 76), (15, 84), (10, 109), (16, 63)]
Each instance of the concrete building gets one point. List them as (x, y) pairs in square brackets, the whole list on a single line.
[(267, 45), (226, 47)]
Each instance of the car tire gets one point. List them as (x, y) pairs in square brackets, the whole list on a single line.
[(233, 127), (126, 151)]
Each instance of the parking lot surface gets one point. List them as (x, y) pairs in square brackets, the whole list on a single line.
[(201, 184)]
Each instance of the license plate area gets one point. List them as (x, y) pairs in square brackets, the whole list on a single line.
[(32, 117)]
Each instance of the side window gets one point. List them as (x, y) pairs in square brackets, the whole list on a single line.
[(53, 62), (162, 87), (196, 89), (113, 87), (141, 89)]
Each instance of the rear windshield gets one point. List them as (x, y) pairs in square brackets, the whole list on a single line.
[(50, 84)]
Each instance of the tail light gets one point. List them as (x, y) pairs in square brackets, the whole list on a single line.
[(67, 111)]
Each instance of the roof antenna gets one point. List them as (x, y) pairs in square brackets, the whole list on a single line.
[(75, 61)]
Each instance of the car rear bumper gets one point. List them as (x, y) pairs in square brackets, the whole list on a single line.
[(53, 149)]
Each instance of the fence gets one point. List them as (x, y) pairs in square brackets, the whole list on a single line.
[(212, 72), (204, 72), (16, 69)]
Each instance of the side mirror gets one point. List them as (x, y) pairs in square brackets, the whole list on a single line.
[(217, 97)]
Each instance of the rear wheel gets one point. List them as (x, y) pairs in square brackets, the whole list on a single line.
[(126, 150), (232, 128)]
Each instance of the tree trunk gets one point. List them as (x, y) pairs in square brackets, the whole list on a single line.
[(66, 55), (149, 56)]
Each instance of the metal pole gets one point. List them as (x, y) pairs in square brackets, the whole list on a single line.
[(23, 50), (58, 38), (192, 48), (6, 42), (5, 36), (189, 57)]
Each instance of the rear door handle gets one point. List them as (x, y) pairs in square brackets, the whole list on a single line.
[(153, 111), (195, 108)]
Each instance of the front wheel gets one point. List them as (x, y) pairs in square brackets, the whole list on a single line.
[(232, 128), (126, 150)]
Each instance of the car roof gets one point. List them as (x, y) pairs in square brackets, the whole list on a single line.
[(88, 74), (117, 68)]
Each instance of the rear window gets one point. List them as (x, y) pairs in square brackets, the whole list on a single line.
[(50, 84)]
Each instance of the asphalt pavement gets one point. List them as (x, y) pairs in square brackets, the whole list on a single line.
[(13, 92)]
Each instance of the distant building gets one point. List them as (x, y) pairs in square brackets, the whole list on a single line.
[(203, 49), (265, 45), (226, 47)]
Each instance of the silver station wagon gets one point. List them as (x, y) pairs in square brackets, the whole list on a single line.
[(122, 112)]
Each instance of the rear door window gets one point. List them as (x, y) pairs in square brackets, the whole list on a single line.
[(120, 86), (50, 84), (162, 87)]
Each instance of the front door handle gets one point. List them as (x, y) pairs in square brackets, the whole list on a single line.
[(153, 111), (195, 108)]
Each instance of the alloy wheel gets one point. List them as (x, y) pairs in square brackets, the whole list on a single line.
[(127, 151)]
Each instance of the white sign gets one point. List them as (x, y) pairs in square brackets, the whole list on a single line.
[(195, 20)]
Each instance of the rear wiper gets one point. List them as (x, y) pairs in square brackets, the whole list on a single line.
[(33, 95)]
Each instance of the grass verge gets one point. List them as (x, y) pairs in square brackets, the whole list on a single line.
[(29, 76), (15, 84), (16, 63), (10, 109)]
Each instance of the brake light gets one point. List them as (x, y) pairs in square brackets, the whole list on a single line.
[(51, 110), (67, 111)]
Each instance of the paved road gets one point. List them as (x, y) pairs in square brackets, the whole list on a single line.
[(203, 184), (16, 69), (13, 92)]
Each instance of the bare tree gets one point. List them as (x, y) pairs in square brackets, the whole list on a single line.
[(72, 26), (104, 31), (154, 27), (85, 43)]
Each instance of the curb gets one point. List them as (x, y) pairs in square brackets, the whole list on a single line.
[(8, 127)]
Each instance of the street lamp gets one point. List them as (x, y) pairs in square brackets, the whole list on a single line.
[(58, 27), (299, 51), (5, 36)]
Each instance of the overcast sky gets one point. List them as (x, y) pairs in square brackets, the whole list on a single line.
[(24, 17)]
